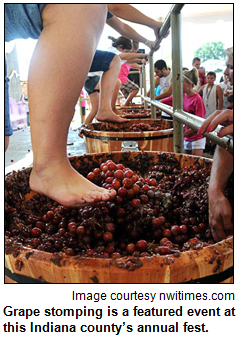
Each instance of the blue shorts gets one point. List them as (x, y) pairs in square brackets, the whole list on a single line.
[(8, 127), (101, 62), (22, 21), (91, 83)]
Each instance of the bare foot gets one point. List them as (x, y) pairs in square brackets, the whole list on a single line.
[(109, 116), (66, 186)]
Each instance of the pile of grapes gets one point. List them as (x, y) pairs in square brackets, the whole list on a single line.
[(142, 127), (162, 212)]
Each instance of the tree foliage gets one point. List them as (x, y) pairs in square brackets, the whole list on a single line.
[(211, 50)]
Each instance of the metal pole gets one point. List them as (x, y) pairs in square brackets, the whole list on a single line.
[(195, 123), (177, 79), (144, 84), (152, 86), (176, 8)]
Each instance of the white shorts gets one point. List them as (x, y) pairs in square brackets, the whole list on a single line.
[(196, 144)]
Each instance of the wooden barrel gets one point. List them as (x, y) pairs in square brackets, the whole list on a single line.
[(133, 106), (136, 114), (107, 137), (211, 264)]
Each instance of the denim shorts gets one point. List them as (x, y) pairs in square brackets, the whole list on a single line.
[(8, 127), (22, 21), (91, 83), (101, 62)]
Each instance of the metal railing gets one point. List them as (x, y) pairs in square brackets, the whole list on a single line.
[(180, 117)]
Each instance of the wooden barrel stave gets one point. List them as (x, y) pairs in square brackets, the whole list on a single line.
[(109, 141)]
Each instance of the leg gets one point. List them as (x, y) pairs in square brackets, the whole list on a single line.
[(130, 97), (7, 141), (197, 152), (107, 85), (115, 96), (94, 99), (64, 51)]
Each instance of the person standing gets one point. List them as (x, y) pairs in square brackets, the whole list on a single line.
[(192, 103), (164, 79), (201, 74), (211, 94), (225, 87), (220, 212)]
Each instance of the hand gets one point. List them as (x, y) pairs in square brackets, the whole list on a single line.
[(224, 118), (157, 31), (220, 214)]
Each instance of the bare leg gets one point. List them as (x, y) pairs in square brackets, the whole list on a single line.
[(130, 97), (197, 152), (107, 85), (7, 141), (94, 99), (115, 96), (64, 52)]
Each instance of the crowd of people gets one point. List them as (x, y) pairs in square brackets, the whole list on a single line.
[(103, 74)]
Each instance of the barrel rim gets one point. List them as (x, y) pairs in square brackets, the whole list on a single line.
[(86, 131)]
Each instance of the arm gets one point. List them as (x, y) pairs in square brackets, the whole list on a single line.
[(132, 56), (219, 117), (188, 132), (157, 82), (125, 30), (135, 65), (219, 96), (166, 94), (220, 212), (129, 13), (201, 91)]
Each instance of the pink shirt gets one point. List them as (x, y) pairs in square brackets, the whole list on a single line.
[(193, 105), (83, 102), (123, 75)]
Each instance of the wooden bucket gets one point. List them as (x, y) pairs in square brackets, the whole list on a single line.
[(211, 264), (134, 106), (136, 114), (98, 140)]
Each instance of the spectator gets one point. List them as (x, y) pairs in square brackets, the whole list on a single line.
[(24, 99), (211, 94), (82, 105), (164, 79), (192, 103), (220, 212), (201, 74), (225, 86)]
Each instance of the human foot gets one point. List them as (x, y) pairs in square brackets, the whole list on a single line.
[(109, 116), (66, 186)]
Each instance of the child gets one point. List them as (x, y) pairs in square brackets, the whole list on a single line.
[(101, 92), (62, 41), (192, 103), (128, 87), (211, 94), (122, 47)]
